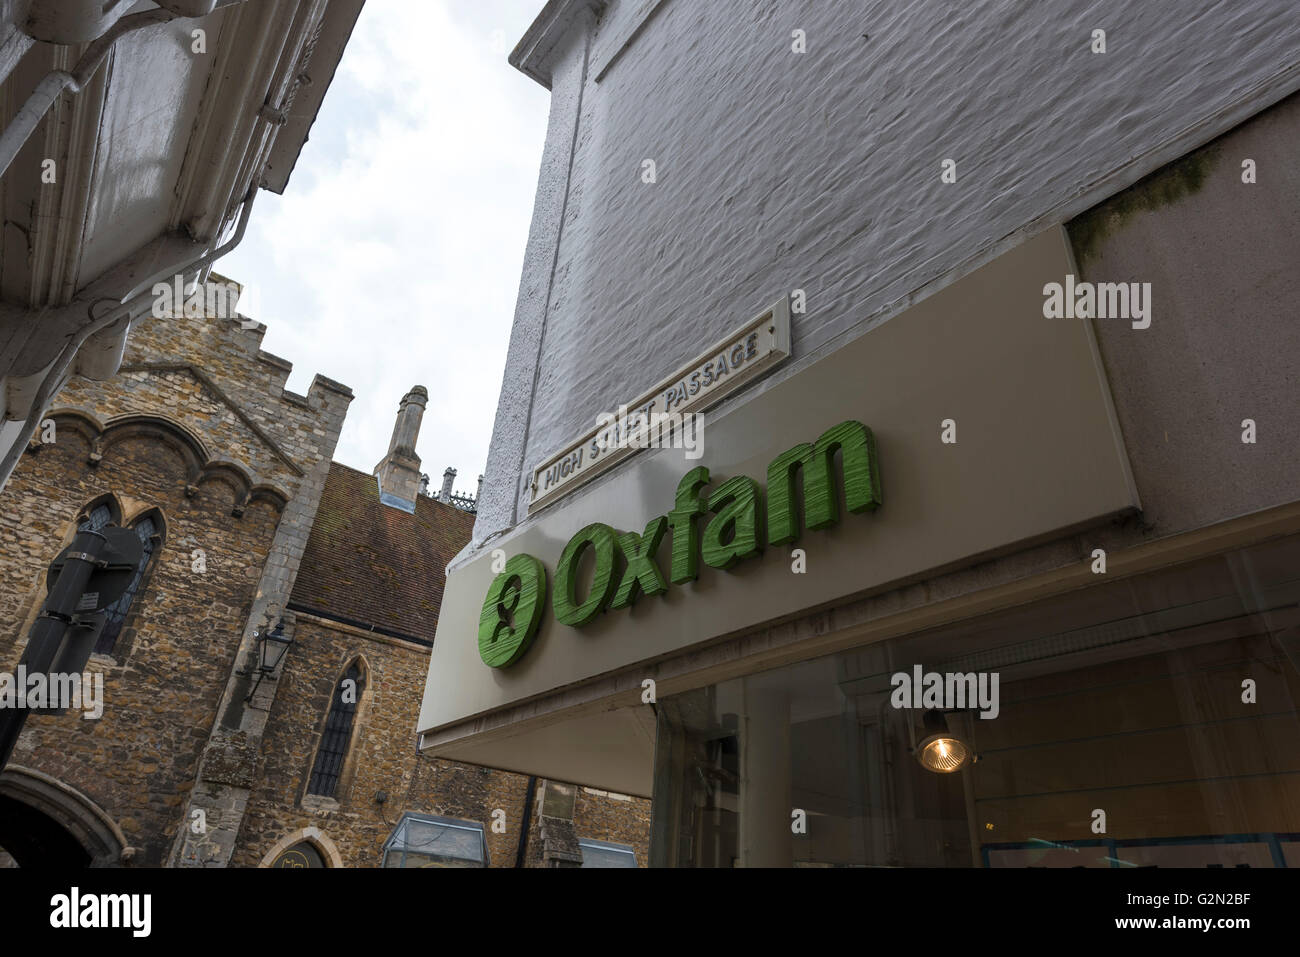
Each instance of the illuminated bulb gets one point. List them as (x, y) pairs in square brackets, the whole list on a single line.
[(940, 750)]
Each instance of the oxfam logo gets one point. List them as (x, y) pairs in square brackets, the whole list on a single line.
[(512, 611), (724, 527)]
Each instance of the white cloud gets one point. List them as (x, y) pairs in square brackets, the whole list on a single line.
[(393, 258)]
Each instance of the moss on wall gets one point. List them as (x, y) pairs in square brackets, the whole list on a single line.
[(1165, 186)]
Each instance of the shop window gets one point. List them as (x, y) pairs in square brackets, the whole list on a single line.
[(422, 840), (605, 854), (1152, 721), (336, 738)]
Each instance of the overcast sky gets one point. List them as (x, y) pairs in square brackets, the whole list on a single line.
[(393, 258)]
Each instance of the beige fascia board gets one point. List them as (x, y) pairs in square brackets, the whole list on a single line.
[(727, 658)]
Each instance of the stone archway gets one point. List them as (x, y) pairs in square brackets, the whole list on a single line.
[(328, 851), (46, 823)]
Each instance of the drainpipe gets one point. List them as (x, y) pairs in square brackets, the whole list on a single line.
[(20, 130), (55, 82), (145, 289), (66, 22), (128, 303), (31, 113), (521, 852), (190, 9)]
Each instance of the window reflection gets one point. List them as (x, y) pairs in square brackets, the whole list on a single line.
[(1144, 722), (427, 841)]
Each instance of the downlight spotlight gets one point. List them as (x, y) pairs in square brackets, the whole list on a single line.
[(942, 751)]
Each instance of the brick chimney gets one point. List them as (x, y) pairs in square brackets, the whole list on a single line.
[(398, 472), (448, 477)]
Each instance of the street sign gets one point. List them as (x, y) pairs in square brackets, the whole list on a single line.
[(84, 579), (114, 569)]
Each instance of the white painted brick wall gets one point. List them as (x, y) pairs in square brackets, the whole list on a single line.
[(822, 170)]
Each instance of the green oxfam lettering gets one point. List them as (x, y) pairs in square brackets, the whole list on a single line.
[(568, 609), (512, 610), (857, 449)]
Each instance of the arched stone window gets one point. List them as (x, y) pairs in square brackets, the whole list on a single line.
[(336, 737), (149, 528), (100, 512), (304, 854), (306, 847)]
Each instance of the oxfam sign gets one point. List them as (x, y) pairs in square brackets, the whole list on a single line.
[(625, 562)]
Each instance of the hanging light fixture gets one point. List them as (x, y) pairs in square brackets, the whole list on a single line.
[(271, 648), (272, 645), (942, 751)]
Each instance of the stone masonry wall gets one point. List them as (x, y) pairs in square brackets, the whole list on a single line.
[(199, 425), (621, 820), (167, 671), (383, 758)]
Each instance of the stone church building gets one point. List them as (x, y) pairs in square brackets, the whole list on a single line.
[(214, 749)]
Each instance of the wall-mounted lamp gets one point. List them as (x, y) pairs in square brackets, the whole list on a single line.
[(941, 750), (272, 646)]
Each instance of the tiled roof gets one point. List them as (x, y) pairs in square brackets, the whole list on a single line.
[(375, 566)]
